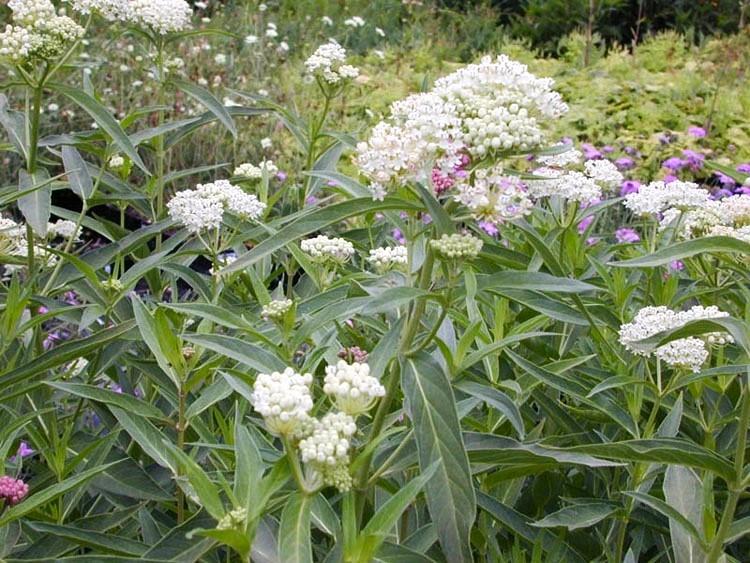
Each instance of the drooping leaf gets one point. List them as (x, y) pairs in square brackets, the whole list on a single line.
[(294, 532)]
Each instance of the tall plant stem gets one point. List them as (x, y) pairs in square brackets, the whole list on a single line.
[(159, 145), (181, 427), (407, 338), (736, 486)]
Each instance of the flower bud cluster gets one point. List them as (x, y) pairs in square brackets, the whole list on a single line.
[(283, 399), (494, 197), (162, 16), (323, 249), (689, 353), (327, 62), (233, 519), (352, 387), (276, 309), (38, 33), (12, 490), (249, 170), (457, 246), (387, 257), (203, 208), (326, 449)]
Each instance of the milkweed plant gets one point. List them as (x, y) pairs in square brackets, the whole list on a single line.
[(432, 346)]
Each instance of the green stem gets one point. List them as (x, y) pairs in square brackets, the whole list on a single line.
[(181, 427), (159, 145), (736, 486), (299, 476)]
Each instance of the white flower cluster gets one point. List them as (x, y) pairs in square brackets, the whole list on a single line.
[(352, 387), (162, 16), (327, 62), (283, 399), (689, 353), (483, 109), (604, 172), (326, 449), (691, 209), (573, 185), (63, 228), (324, 249), (38, 33), (456, 246), (494, 197), (203, 208), (249, 170), (561, 159), (387, 257), (276, 309)]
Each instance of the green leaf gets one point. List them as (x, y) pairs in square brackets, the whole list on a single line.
[(146, 435), (207, 492), (439, 215), (207, 99), (661, 450), (684, 491), (686, 249), (495, 399), (50, 493), (522, 526), (65, 353), (577, 516), (105, 542), (248, 470), (383, 521), (672, 514), (14, 124), (318, 219), (104, 119), (154, 339), (36, 205), (78, 172), (247, 353), (450, 493), (126, 402), (735, 327), (536, 281), (294, 530)]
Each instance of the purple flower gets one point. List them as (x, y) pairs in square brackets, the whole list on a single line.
[(743, 190), (629, 187), (670, 178), (674, 164), (489, 228), (42, 310), (676, 265), (585, 224), (724, 180), (744, 168), (590, 152), (626, 234), (625, 163), (426, 219), (51, 339), (693, 159), (632, 151), (24, 450), (667, 138), (281, 175), (591, 241), (332, 183), (697, 132), (607, 149), (311, 200), (721, 193), (398, 236)]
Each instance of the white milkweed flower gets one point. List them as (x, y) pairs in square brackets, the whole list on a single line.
[(328, 62), (387, 257), (248, 170), (203, 208), (162, 16), (17, 44), (690, 352), (743, 233), (354, 21), (324, 249), (276, 309), (116, 161), (63, 228), (494, 197), (604, 172), (283, 399), (251, 39), (326, 20), (457, 246), (657, 197), (352, 387), (266, 143), (736, 209), (561, 159), (326, 449)]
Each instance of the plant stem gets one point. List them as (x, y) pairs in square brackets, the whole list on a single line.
[(736, 486), (181, 427), (299, 476)]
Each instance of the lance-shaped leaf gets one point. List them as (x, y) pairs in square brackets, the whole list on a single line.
[(294, 531), (577, 516), (687, 249), (35, 205), (209, 101), (78, 173), (450, 493)]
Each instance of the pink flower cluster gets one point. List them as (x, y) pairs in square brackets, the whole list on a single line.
[(353, 354), (444, 181), (12, 490)]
